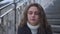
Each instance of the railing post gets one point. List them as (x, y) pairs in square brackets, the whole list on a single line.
[(15, 15), (1, 25)]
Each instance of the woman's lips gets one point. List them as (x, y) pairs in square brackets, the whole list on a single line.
[(33, 19)]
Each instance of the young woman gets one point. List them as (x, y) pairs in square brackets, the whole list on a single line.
[(34, 21)]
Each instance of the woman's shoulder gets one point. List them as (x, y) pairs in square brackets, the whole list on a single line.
[(21, 30), (49, 29)]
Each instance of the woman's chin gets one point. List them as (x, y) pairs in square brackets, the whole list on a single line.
[(33, 22)]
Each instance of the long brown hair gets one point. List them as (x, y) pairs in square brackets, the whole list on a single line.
[(43, 20)]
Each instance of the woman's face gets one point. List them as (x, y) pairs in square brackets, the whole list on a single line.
[(33, 15)]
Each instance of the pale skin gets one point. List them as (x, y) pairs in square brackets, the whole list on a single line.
[(32, 15)]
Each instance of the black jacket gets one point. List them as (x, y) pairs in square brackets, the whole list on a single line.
[(26, 30)]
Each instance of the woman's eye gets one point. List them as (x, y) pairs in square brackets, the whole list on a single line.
[(29, 12), (36, 13)]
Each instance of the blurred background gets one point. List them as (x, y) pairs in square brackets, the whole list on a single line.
[(11, 12)]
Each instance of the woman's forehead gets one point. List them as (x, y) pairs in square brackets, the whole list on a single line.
[(33, 8)]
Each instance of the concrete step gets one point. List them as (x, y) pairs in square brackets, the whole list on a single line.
[(56, 28)]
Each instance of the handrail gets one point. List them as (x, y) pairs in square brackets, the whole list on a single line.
[(5, 6), (6, 13), (11, 9)]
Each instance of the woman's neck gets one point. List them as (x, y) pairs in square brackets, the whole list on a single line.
[(32, 27)]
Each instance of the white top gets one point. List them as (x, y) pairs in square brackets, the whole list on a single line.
[(33, 28)]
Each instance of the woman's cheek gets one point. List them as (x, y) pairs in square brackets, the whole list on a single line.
[(37, 18), (29, 17)]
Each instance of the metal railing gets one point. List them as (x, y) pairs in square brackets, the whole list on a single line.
[(5, 18)]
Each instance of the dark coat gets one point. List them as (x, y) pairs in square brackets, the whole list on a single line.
[(26, 30)]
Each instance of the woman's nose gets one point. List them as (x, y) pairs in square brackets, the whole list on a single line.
[(33, 15)]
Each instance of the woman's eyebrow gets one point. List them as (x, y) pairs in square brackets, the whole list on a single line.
[(29, 11)]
